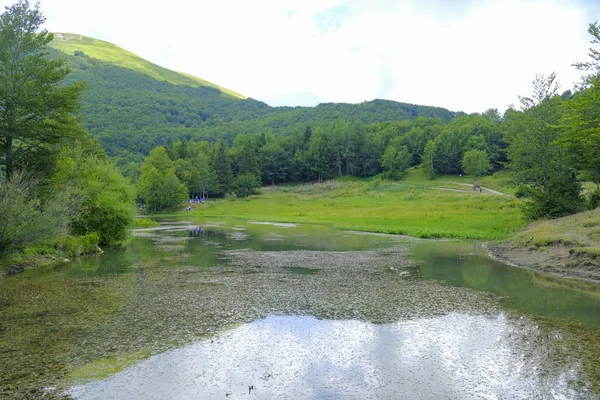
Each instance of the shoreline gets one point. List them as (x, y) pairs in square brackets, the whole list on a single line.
[(551, 262), (13, 267)]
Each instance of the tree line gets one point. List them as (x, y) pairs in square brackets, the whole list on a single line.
[(550, 144), (131, 113)]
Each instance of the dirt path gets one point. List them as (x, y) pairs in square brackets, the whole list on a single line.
[(485, 189), (491, 191)]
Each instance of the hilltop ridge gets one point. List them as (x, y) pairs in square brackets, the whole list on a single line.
[(70, 43)]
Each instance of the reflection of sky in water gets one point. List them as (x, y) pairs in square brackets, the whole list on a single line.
[(456, 356)]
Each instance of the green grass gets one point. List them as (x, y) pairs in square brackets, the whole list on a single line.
[(404, 207), (141, 223), (579, 230), (69, 43)]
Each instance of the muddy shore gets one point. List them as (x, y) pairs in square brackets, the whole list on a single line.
[(559, 259)]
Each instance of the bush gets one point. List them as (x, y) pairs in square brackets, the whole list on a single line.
[(523, 192), (79, 245), (141, 223), (593, 200), (231, 196), (246, 185), (562, 198), (25, 220)]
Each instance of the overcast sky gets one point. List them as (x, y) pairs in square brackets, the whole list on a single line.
[(466, 55)]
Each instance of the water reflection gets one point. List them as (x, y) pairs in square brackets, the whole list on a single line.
[(468, 265), (184, 282), (290, 357)]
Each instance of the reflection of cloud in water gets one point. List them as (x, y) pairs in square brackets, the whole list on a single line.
[(279, 224), (454, 356)]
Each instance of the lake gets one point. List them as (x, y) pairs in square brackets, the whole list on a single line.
[(240, 309)]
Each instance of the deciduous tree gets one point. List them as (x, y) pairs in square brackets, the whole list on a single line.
[(35, 111)]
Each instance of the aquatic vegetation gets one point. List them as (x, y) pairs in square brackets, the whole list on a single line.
[(184, 284)]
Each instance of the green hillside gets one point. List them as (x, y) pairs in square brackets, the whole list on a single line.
[(132, 105), (104, 51)]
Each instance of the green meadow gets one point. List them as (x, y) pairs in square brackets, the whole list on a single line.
[(415, 206)]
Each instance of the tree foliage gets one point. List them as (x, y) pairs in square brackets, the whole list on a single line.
[(25, 219), (159, 188), (35, 112), (475, 163), (103, 199), (54, 180)]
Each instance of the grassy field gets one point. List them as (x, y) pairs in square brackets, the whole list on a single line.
[(108, 52), (415, 206)]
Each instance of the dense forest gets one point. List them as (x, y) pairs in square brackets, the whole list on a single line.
[(130, 113), (550, 144)]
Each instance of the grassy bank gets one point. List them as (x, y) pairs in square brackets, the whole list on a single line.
[(568, 246), (49, 252), (415, 206)]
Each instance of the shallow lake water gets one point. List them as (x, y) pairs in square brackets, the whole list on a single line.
[(211, 310)]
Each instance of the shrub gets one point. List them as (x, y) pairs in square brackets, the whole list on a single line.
[(246, 185), (25, 220), (141, 223), (563, 197)]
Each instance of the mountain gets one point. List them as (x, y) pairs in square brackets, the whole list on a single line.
[(132, 105), (104, 51)]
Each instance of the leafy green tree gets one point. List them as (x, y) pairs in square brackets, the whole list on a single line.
[(103, 197), (591, 68), (274, 162), (582, 129), (246, 185), (247, 161), (396, 161), (493, 114), (35, 111), (388, 159), (475, 163), (561, 197), (533, 134), (319, 155), (195, 174), (159, 187), (222, 168), (537, 154), (428, 159)]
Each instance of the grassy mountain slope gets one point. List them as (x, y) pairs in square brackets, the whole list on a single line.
[(108, 52), (132, 105)]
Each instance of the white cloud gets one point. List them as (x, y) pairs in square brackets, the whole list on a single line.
[(461, 55)]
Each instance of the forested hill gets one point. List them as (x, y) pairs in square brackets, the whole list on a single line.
[(132, 105)]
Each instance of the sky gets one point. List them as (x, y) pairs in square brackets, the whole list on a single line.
[(464, 55)]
